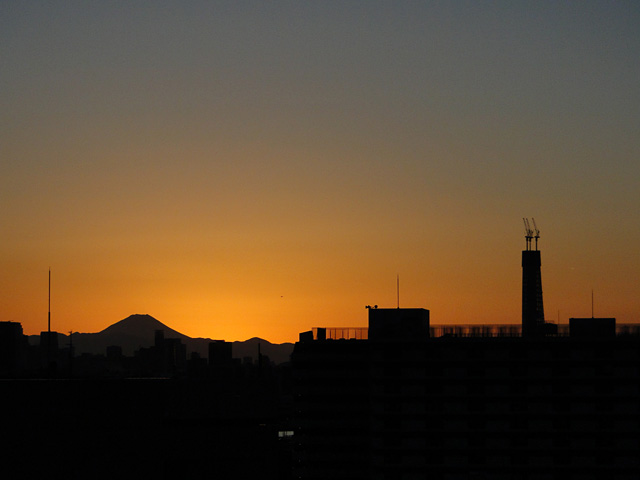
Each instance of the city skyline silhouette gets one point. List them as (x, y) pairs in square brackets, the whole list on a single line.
[(401, 398), (281, 240)]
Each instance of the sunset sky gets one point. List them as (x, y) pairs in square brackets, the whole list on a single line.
[(240, 169)]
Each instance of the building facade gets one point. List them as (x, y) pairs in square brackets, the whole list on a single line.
[(407, 406)]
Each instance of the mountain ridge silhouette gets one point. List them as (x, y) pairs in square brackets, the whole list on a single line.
[(138, 331)]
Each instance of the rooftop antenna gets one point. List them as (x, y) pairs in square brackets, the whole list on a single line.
[(49, 314), (537, 235), (48, 324), (592, 303), (398, 289)]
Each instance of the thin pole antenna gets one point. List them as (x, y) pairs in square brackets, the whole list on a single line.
[(592, 303), (398, 288), (49, 314)]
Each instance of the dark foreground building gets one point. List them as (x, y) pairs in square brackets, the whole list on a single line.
[(398, 402)]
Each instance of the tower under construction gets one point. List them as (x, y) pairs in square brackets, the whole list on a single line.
[(532, 307)]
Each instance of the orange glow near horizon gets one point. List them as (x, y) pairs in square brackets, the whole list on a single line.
[(279, 298)]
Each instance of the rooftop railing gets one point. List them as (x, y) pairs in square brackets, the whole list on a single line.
[(495, 330), (466, 331), (340, 333)]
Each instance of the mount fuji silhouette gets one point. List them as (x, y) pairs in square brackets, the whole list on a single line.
[(138, 331)]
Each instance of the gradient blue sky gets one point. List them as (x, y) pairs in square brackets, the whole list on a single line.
[(241, 169)]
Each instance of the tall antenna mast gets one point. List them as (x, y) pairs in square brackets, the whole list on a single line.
[(398, 288), (49, 314)]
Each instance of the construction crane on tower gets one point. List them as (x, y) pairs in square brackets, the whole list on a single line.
[(528, 232), (537, 232)]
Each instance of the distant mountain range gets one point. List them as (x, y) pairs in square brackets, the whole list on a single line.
[(138, 331)]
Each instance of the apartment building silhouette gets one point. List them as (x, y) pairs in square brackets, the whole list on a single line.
[(407, 400), (399, 405)]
